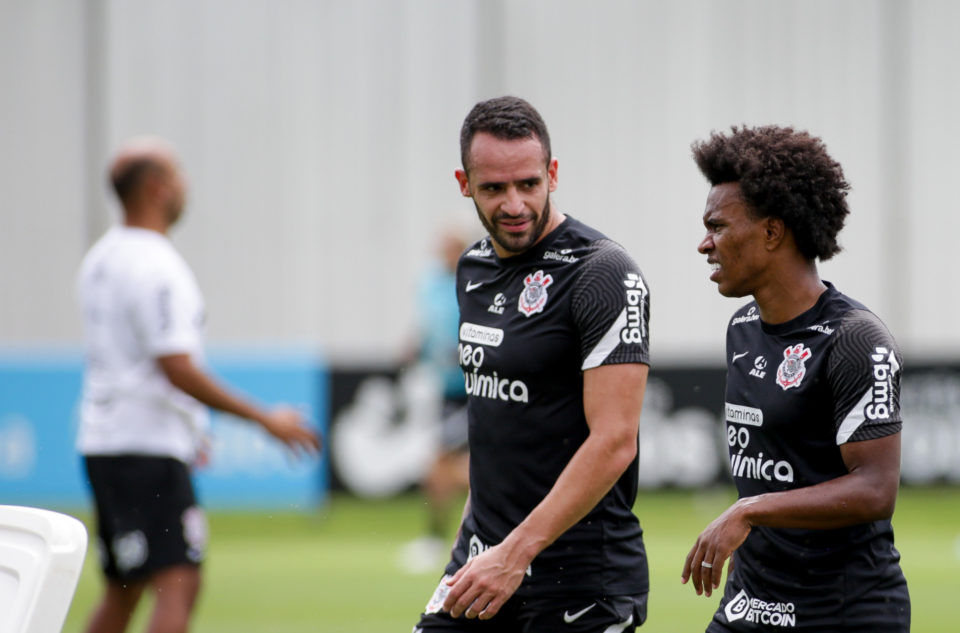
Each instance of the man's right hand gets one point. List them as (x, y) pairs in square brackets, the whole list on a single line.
[(288, 425), (283, 422)]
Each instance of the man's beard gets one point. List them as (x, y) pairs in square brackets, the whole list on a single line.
[(520, 243)]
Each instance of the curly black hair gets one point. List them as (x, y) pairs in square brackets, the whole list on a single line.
[(507, 118), (783, 173)]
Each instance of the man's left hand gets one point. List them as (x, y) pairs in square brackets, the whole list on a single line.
[(484, 584), (716, 544)]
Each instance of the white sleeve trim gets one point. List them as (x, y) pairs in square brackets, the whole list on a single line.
[(607, 343), (854, 419)]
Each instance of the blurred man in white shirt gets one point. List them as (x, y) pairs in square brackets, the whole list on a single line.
[(145, 397)]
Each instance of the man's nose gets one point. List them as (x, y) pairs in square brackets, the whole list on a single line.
[(513, 202), (705, 245)]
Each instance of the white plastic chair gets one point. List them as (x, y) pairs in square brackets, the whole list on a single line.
[(41, 555)]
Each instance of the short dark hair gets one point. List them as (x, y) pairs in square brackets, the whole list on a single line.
[(127, 180), (782, 173), (506, 118)]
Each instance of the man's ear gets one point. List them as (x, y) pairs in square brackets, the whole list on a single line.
[(464, 181), (774, 231), (552, 168)]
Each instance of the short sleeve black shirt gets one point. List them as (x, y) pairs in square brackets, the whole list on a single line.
[(530, 325), (796, 392)]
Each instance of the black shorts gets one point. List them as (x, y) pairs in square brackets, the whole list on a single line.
[(613, 614), (147, 515)]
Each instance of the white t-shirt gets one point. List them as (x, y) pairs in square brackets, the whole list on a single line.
[(140, 301)]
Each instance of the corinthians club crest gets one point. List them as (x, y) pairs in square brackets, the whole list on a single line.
[(534, 295), (791, 371)]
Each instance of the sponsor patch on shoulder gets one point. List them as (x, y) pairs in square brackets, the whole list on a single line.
[(751, 315)]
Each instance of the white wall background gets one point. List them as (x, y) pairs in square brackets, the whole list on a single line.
[(320, 137)]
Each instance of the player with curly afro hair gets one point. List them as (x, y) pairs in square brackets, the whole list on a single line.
[(782, 173), (811, 404)]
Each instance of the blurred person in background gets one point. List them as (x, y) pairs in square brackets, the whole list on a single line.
[(143, 412), (555, 349), (447, 477), (812, 403)]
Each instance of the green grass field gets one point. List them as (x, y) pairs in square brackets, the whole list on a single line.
[(335, 571)]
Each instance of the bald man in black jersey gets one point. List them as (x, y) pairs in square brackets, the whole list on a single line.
[(812, 403), (554, 348)]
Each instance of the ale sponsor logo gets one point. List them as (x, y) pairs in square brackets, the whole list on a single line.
[(759, 367), (498, 302)]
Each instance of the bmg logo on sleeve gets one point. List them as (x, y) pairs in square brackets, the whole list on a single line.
[(885, 367), (636, 327)]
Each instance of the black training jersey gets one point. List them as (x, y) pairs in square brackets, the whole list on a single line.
[(529, 326), (796, 392)]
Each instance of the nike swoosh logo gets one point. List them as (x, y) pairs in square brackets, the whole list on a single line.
[(473, 286), (569, 618), (736, 356)]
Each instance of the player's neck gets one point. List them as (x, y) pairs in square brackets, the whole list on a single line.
[(144, 220), (554, 220), (789, 294)]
